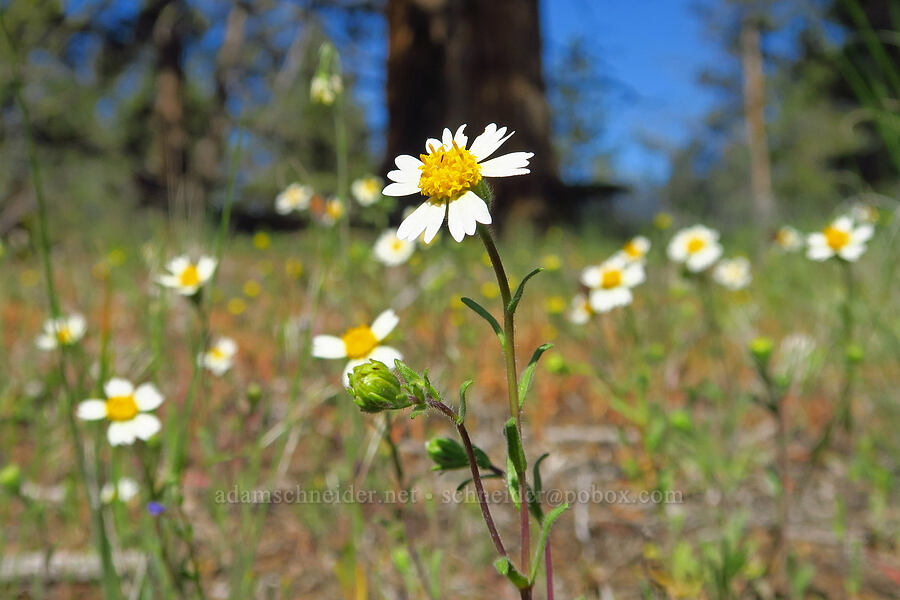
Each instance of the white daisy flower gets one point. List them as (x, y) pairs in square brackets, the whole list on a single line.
[(186, 277), (864, 213), (65, 331), (580, 312), (360, 344), (128, 410), (123, 490), (367, 190), (294, 197), (841, 238), (697, 247), (636, 249), (446, 175), (219, 358), (611, 283), (733, 274), (391, 250), (333, 212), (788, 239)]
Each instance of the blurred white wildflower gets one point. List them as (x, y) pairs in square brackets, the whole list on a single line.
[(128, 410), (611, 283), (391, 250), (220, 356), (360, 344), (367, 190), (294, 197), (696, 247), (788, 239), (64, 331), (186, 277), (124, 490), (733, 273), (841, 238)]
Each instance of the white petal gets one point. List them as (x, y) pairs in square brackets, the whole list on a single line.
[(605, 300), (407, 176), (477, 207), (592, 276), (328, 346), (852, 251), (385, 354), (91, 410), (145, 426), (169, 281), (384, 324), (447, 138), (843, 223), (401, 189), (428, 218), (206, 266), (507, 165), (633, 275), (77, 326), (819, 252), (120, 433), (405, 162), (178, 264), (147, 397), (227, 346), (118, 387), (862, 233), (816, 239), (431, 145), (46, 341), (487, 143), (460, 137), (459, 220)]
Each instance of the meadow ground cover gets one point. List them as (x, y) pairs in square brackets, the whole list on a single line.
[(689, 414), (351, 400)]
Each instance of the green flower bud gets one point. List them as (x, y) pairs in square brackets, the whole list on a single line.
[(854, 353), (655, 352), (11, 478), (556, 364), (761, 349), (375, 388), (448, 454), (254, 395)]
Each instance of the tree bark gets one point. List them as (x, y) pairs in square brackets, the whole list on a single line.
[(474, 62), (754, 117)]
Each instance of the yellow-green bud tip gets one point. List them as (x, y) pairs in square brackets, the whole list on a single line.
[(11, 478), (761, 348)]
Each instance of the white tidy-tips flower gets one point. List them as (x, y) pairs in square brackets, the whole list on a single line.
[(580, 311), (696, 247), (367, 190), (841, 238), (611, 282), (447, 175), (333, 212), (864, 213), (391, 250), (64, 331), (220, 356), (294, 197), (360, 344), (788, 239), (636, 249), (186, 277), (733, 273), (124, 490), (127, 409)]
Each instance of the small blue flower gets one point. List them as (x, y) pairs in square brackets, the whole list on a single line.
[(155, 508)]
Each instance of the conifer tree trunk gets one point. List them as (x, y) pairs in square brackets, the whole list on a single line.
[(754, 117)]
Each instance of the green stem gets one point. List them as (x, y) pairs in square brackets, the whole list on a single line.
[(512, 383)]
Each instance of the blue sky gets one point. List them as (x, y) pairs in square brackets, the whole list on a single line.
[(655, 50)]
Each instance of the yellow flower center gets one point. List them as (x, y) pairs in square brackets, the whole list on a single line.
[(64, 335), (189, 277), (371, 185), (217, 353), (397, 245), (632, 250), (611, 279), (359, 341), (334, 210), (121, 408), (446, 174), (836, 238), (695, 244)]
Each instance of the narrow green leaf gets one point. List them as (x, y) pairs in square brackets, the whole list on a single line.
[(512, 483), (536, 477), (484, 314), (514, 448), (508, 570), (514, 302), (528, 372), (545, 533), (468, 480), (462, 401)]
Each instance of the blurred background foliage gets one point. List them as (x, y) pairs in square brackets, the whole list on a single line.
[(140, 103)]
